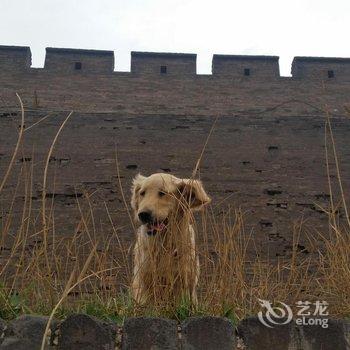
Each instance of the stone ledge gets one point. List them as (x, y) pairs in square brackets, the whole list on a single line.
[(81, 331)]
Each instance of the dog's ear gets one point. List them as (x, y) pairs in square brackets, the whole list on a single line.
[(193, 193), (135, 188)]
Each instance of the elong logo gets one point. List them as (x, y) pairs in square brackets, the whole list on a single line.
[(307, 315)]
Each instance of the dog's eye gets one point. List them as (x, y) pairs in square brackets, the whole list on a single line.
[(142, 193), (161, 193)]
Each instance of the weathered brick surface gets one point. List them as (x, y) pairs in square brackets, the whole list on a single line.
[(273, 167), (207, 95)]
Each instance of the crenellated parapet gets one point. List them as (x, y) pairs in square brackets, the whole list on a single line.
[(246, 66), (321, 68), (15, 57), (157, 64), (163, 63), (76, 60)]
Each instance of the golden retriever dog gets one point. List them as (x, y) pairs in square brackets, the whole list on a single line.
[(166, 265)]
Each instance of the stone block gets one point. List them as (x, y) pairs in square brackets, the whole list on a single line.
[(256, 336), (144, 333), (3, 327), (210, 333), (81, 331), (336, 336), (26, 332)]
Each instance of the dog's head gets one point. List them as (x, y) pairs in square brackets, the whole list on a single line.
[(156, 197)]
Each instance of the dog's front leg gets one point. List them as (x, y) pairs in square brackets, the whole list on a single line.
[(138, 291)]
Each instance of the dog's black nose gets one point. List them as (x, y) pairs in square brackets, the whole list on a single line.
[(145, 217)]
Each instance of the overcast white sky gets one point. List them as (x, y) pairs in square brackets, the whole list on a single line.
[(258, 27)]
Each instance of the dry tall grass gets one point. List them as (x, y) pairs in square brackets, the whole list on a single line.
[(89, 272)]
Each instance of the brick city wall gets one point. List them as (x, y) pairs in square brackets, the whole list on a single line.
[(84, 80), (266, 154)]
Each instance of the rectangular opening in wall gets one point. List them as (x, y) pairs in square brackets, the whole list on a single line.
[(77, 66), (330, 74), (163, 69), (246, 72)]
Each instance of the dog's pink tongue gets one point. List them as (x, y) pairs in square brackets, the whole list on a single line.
[(158, 227)]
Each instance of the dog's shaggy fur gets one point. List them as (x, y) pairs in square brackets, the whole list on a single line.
[(166, 266)]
